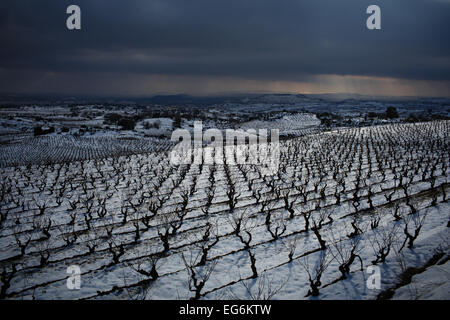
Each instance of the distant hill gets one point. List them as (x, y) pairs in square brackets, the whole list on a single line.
[(185, 99)]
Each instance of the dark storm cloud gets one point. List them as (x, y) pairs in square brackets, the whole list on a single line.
[(258, 39)]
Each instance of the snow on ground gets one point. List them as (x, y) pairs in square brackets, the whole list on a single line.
[(432, 284), (288, 124), (155, 127), (128, 186), (294, 282)]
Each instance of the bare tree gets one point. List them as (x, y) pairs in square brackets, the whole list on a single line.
[(291, 244), (315, 273), (356, 225), (210, 193), (209, 240), (5, 278), (374, 220), (43, 224), (116, 250), (43, 249), (167, 227), (382, 241), (198, 276), (232, 197), (288, 202), (23, 238), (246, 237), (277, 227), (92, 239), (262, 288), (69, 236), (318, 220), (416, 221), (148, 267), (345, 252), (396, 213), (253, 264), (238, 220)]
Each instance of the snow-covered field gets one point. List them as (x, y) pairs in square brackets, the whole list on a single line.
[(432, 284), (290, 124), (58, 149), (141, 228)]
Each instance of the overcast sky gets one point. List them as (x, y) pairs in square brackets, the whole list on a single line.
[(145, 47)]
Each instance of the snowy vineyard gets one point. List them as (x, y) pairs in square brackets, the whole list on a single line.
[(59, 149), (141, 228)]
